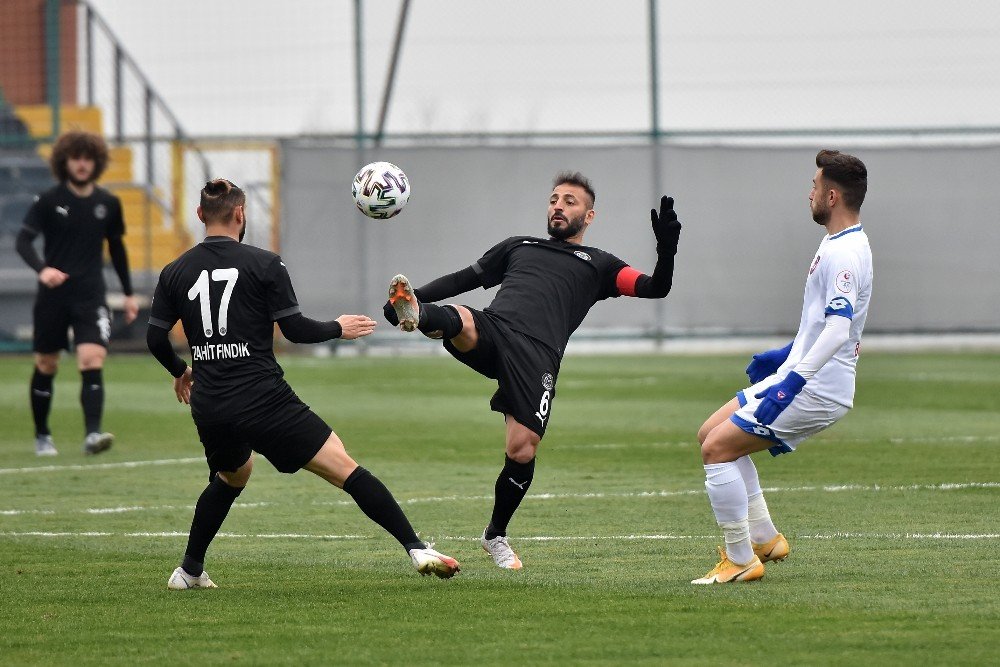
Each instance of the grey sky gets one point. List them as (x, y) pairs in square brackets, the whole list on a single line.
[(266, 67)]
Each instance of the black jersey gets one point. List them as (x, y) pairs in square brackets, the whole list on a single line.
[(227, 296), (547, 287), (74, 229)]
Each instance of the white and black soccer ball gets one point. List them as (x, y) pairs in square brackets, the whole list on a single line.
[(381, 190)]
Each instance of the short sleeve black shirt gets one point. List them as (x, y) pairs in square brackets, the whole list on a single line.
[(227, 296), (547, 286), (74, 229)]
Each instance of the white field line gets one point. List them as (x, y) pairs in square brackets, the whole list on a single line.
[(949, 486), (598, 445), (529, 538), (103, 466)]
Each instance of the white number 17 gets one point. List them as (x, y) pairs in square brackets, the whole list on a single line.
[(200, 291)]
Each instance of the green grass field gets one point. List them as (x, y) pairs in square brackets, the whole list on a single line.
[(893, 516)]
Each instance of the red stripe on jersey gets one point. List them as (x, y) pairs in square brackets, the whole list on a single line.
[(626, 280)]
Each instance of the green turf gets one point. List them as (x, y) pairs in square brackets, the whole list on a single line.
[(887, 567)]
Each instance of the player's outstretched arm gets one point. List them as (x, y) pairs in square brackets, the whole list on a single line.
[(300, 329), (355, 326), (667, 230)]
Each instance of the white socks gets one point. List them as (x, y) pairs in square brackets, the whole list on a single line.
[(728, 496), (762, 530)]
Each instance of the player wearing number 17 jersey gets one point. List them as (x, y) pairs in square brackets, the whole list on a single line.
[(547, 286), (800, 389), (228, 296)]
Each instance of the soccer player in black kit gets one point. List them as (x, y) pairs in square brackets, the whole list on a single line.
[(547, 286), (228, 296), (74, 219)]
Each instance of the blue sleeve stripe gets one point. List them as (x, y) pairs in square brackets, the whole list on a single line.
[(741, 397), (840, 306)]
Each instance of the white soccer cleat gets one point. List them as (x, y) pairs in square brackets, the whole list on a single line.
[(404, 302), (427, 561), (182, 581), (95, 443), (44, 446), (501, 552)]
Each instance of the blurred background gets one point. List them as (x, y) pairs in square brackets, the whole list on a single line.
[(722, 105)]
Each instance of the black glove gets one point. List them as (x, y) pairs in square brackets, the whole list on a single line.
[(390, 314), (666, 227)]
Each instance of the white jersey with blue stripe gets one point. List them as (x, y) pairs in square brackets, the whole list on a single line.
[(839, 284)]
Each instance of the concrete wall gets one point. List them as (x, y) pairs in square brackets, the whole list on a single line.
[(747, 241)]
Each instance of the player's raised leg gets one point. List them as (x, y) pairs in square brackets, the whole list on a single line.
[(432, 320), (335, 465), (210, 511), (42, 383), (90, 360)]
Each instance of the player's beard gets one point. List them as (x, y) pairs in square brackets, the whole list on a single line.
[(80, 183), (243, 230), (573, 227), (821, 216)]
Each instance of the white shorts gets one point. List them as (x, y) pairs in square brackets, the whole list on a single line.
[(806, 415)]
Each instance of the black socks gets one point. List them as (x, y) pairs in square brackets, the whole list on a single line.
[(439, 318), (378, 505), (511, 487), (41, 401), (213, 506), (92, 399)]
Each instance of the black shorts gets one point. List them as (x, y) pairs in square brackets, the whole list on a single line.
[(525, 370), (56, 310), (289, 437)]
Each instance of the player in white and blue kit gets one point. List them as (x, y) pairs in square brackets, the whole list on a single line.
[(797, 390)]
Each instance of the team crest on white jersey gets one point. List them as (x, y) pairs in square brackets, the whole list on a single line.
[(548, 381), (845, 281), (100, 211), (582, 255)]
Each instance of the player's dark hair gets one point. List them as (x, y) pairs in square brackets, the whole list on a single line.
[(848, 172), (218, 199), (578, 179), (78, 144)]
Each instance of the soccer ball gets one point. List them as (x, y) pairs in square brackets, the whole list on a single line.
[(381, 190)]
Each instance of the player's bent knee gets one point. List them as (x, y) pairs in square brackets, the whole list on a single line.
[(90, 356), (47, 363), (714, 450), (238, 478), (522, 446), (703, 432)]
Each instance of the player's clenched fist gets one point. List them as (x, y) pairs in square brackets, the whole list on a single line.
[(52, 277), (355, 326)]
